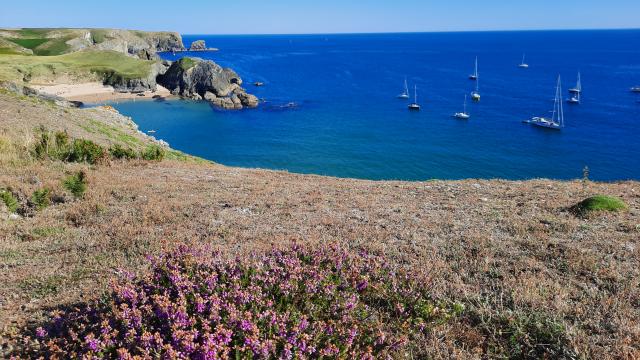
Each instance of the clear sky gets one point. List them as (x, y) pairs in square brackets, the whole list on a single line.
[(321, 16)]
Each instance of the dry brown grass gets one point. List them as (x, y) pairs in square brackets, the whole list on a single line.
[(507, 249)]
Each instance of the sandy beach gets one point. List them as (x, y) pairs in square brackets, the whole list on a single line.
[(96, 92)]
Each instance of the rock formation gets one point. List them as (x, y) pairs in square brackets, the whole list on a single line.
[(199, 79), (198, 45)]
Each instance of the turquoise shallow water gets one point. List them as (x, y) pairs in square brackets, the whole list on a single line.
[(348, 123)]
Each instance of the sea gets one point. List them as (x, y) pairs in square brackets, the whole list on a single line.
[(330, 105)]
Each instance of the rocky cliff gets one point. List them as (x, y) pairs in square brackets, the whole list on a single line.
[(47, 42), (200, 79)]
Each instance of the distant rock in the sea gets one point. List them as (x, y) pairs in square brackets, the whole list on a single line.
[(200, 45), (203, 79)]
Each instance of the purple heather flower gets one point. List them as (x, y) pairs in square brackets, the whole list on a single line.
[(40, 332)]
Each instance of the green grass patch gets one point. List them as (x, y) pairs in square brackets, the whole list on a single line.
[(33, 32), (98, 36), (111, 132), (53, 47), (599, 203), (76, 184), (41, 288), (29, 43), (8, 51), (87, 64), (9, 200), (43, 232), (187, 63)]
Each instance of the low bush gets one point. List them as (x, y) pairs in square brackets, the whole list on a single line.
[(119, 152), (153, 152), (76, 184), (298, 303), (85, 151), (599, 203), (9, 200), (41, 198)]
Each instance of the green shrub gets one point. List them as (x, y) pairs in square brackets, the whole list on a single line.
[(76, 184), (62, 139), (85, 151), (599, 203), (153, 152), (9, 200), (41, 198), (118, 152), (41, 150)]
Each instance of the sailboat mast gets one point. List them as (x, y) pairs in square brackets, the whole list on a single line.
[(415, 90), (465, 104), (579, 85), (476, 72), (560, 105)]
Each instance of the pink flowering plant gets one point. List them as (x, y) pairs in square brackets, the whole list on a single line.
[(293, 304)]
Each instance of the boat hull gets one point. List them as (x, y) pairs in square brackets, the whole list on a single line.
[(544, 123)]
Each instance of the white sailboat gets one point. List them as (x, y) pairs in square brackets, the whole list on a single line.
[(635, 89), (475, 95), (557, 118), (523, 64), (405, 93), (574, 99), (474, 76), (463, 115), (415, 105), (578, 88)]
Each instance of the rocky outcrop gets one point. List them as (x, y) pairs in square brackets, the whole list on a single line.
[(137, 85), (198, 45), (199, 79)]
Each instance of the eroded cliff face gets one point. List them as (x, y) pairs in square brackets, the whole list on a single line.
[(199, 79), (143, 45)]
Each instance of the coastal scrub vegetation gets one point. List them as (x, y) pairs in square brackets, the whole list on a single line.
[(41, 198), (295, 303), (76, 184), (153, 153), (9, 200), (58, 146)]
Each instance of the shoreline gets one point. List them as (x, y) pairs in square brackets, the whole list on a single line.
[(96, 92)]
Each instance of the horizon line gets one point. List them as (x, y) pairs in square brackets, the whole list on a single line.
[(416, 32), (342, 33)]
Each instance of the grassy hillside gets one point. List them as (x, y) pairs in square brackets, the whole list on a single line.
[(44, 42), (461, 269), (90, 64)]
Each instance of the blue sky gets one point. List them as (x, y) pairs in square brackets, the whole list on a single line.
[(322, 16)]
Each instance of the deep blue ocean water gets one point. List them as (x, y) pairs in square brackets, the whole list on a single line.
[(349, 123)]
